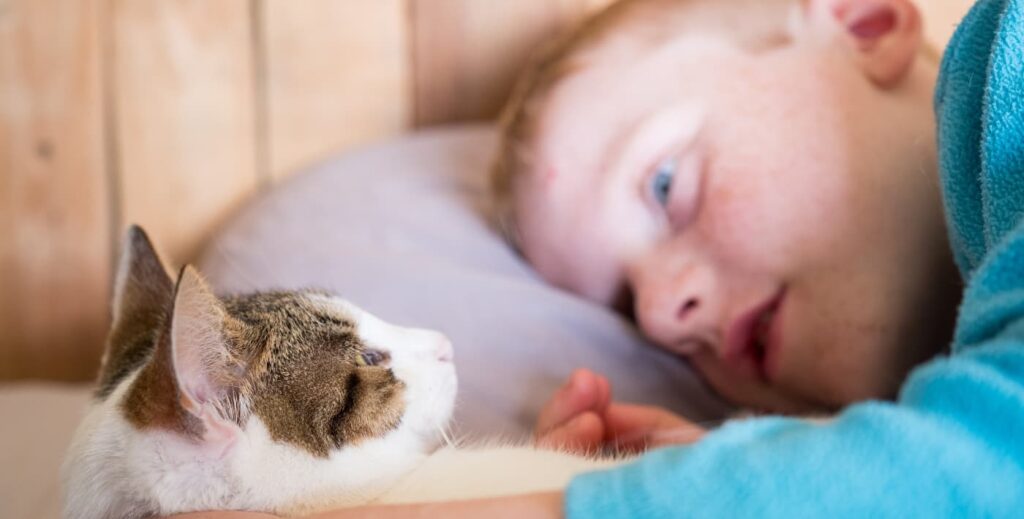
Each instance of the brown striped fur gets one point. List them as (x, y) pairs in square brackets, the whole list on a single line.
[(296, 364)]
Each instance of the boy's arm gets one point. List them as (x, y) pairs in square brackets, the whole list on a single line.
[(952, 447), (538, 506)]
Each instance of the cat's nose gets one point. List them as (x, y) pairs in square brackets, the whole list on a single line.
[(444, 350)]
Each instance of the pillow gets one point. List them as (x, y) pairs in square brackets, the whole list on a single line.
[(402, 230)]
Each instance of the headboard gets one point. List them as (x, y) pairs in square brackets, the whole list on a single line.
[(170, 113)]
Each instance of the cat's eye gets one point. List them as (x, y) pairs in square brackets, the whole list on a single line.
[(661, 181), (370, 357)]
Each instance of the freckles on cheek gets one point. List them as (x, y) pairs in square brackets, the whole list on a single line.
[(734, 212), (747, 226)]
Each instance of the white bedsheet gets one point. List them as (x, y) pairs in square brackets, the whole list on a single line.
[(36, 424)]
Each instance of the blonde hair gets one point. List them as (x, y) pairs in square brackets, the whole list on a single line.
[(549, 65)]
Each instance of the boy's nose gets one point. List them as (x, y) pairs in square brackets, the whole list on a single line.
[(687, 308), (678, 311)]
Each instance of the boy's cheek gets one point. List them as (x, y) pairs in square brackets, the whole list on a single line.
[(769, 220), (574, 264)]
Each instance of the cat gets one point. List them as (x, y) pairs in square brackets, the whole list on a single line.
[(282, 402)]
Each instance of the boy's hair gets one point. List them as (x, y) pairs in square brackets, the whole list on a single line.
[(563, 55)]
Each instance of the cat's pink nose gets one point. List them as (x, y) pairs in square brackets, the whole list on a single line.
[(444, 350)]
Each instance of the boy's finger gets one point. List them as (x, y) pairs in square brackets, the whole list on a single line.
[(583, 434), (604, 393), (584, 391), (624, 417), (682, 435), (637, 427)]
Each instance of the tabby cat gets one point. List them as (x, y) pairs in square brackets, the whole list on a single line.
[(284, 402)]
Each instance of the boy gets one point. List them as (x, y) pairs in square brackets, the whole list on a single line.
[(761, 181), (786, 235)]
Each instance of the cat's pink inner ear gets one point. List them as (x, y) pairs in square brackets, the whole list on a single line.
[(219, 433), (203, 366)]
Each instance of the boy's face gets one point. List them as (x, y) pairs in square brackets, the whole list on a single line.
[(775, 216)]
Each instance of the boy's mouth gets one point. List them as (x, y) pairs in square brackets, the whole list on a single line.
[(752, 341)]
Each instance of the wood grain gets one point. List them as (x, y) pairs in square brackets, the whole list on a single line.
[(54, 216), (466, 53), (183, 73), (337, 76)]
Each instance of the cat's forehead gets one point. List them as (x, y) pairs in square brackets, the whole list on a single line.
[(294, 312), (283, 329)]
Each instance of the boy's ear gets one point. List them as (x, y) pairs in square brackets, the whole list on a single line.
[(204, 370), (883, 35)]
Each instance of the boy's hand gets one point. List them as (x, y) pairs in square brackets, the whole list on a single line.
[(581, 418)]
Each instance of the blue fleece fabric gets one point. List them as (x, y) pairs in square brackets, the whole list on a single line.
[(953, 443)]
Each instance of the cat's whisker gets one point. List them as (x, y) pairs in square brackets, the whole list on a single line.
[(455, 440), (237, 270), (458, 439), (445, 435)]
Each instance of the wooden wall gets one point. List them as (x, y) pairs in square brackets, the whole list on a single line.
[(169, 113)]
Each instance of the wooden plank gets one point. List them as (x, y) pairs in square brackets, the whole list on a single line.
[(466, 53), (54, 217), (186, 116), (337, 76)]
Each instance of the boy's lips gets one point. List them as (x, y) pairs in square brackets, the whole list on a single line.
[(753, 340)]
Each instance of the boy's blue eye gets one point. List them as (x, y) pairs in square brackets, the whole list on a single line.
[(661, 183)]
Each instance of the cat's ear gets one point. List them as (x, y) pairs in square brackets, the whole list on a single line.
[(143, 283), (206, 374), (143, 289)]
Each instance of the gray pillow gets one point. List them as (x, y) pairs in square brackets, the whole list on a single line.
[(402, 230)]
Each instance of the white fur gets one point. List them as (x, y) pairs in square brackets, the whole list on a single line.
[(114, 470)]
